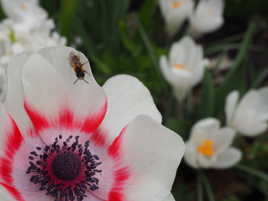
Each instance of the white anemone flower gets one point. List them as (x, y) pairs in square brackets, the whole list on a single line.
[(81, 142), (248, 116), (175, 12), (207, 17), (209, 146), (185, 66), (3, 83)]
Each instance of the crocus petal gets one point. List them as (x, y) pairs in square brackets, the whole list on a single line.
[(207, 17), (139, 146), (204, 129), (228, 158), (230, 106), (175, 16), (224, 139), (252, 114), (165, 69), (205, 162), (125, 102), (190, 155)]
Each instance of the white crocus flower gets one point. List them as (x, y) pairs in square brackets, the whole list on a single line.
[(185, 66), (209, 146), (249, 116), (175, 12), (207, 17)]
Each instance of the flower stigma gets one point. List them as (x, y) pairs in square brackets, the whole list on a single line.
[(179, 66), (176, 4), (65, 170), (206, 148), (24, 6)]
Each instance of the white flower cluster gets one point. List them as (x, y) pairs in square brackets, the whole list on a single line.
[(206, 17), (27, 28)]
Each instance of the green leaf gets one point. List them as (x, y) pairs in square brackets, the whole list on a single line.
[(208, 97), (260, 78), (241, 55), (128, 42), (235, 79), (200, 192), (221, 48), (147, 11), (261, 175), (67, 14), (207, 187)]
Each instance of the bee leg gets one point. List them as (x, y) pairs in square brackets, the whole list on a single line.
[(75, 81), (85, 63), (86, 81)]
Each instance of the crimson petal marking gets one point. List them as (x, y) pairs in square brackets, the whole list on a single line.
[(39, 121), (92, 122), (67, 119), (13, 191), (121, 175), (13, 143)]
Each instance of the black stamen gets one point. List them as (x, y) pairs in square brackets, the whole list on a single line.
[(66, 166)]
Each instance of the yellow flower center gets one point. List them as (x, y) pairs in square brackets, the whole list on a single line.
[(206, 148), (176, 4), (179, 66), (24, 6)]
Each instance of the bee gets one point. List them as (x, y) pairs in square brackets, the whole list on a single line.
[(78, 67)]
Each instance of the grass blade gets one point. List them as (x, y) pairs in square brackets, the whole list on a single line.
[(207, 187), (254, 172)]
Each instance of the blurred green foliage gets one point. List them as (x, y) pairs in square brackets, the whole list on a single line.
[(124, 36)]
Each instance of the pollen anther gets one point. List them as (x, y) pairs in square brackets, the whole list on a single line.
[(179, 66), (176, 4), (206, 148)]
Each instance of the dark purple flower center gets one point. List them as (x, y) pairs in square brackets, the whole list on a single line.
[(66, 166), (65, 170)]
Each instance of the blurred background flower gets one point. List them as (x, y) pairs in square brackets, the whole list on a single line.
[(207, 17), (248, 116), (184, 68), (209, 146)]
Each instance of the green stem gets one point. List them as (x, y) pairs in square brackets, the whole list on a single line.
[(199, 188), (207, 187), (151, 52), (67, 13)]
